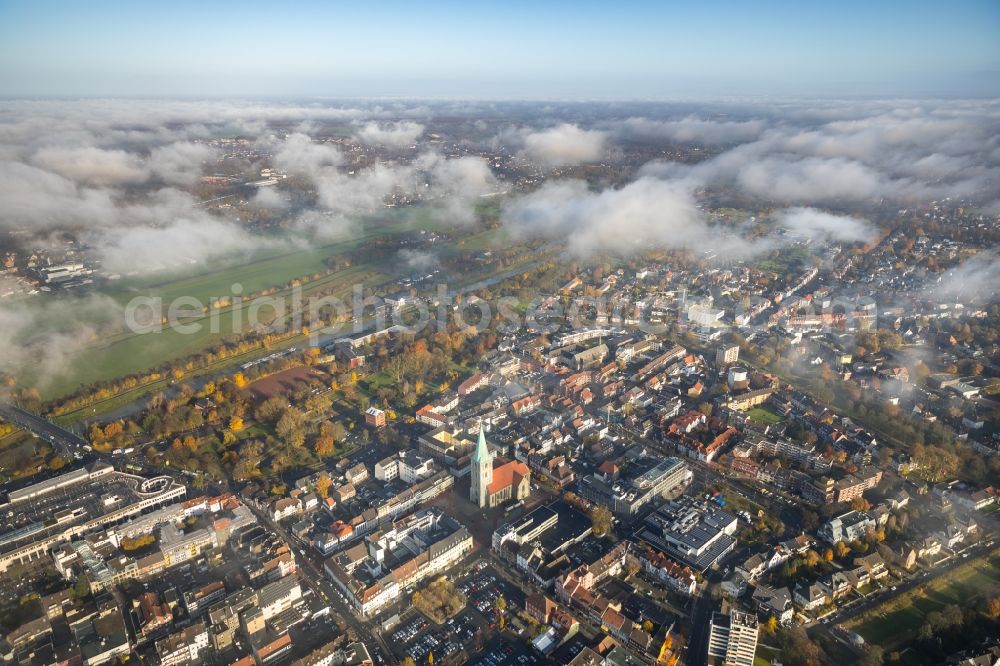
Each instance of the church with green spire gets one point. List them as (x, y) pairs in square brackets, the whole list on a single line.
[(491, 484)]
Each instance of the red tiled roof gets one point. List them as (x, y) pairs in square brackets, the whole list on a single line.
[(508, 474), (608, 467), (341, 529), (276, 645)]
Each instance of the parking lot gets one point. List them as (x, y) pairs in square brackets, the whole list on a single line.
[(483, 586), (470, 632), (420, 636), (509, 654)]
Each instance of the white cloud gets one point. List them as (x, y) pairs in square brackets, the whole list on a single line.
[(180, 163), (783, 179), (859, 153), (820, 225), (691, 129), (645, 214), (324, 226), (362, 192), (976, 280), (651, 213), (418, 260), (456, 184), (452, 185), (47, 335), (76, 164), (180, 243), (269, 197), (300, 154), (37, 199), (394, 135), (92, 166), (562, 145)]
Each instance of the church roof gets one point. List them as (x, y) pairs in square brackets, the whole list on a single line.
[(508, 474)]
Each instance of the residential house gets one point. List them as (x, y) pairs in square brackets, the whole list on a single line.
[(810, 595)]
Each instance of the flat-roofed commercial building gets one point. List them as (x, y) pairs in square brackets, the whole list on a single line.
[(537, 541), (651, 479), (43, 515), (696, 533)]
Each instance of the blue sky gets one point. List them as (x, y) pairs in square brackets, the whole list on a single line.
[(512, 49)]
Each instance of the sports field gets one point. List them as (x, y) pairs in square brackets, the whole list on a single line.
[(898, 619), (762, 415)]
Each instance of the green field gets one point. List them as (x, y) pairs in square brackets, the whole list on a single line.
[(110, 351), (895, 621), (115, 356), (765, 416), (788, 260), (765, 654), (258, 273), (267, 269), (481, 241), (115, 352)]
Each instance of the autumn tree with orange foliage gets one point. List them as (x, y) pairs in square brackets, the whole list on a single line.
[(323, 446), (135, 543), (323, 484)]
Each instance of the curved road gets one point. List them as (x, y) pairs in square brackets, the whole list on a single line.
[(42, 428)]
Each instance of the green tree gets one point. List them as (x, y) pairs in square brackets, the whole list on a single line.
[(271, 410), (291, 428), (873, 656), (797, 649), (601, 520), (81, 588)]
